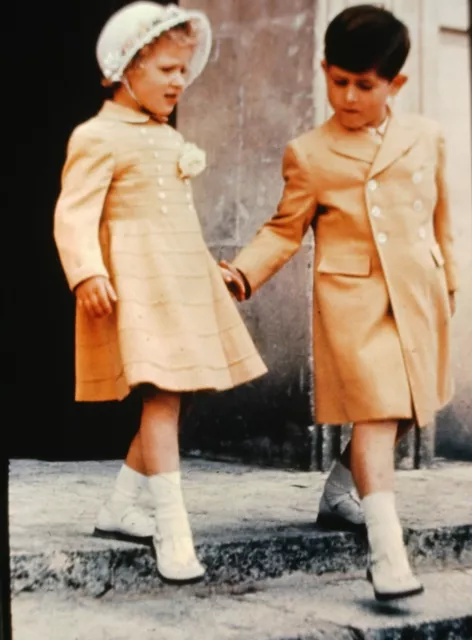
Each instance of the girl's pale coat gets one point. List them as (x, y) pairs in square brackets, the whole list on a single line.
[(124, 212), (382, 271)]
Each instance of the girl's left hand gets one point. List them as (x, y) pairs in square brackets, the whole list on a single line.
[(452, 302)]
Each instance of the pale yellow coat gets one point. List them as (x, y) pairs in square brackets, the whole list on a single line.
[(383, 266), (125, 212)]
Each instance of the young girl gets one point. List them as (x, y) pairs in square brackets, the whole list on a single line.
[(153, 313), (371, 185)]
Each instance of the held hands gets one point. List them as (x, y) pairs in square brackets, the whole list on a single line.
[(233, 280), (96, 296)]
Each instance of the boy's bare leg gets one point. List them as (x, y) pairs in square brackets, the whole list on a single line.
[(340, 506), (404, 427), (373, 470), (372, 456)]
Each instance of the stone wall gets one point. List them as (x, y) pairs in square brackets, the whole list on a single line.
[(256, 94)]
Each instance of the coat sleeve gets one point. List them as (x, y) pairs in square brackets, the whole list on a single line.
[(281, 236), (86, 177), (443, 221)]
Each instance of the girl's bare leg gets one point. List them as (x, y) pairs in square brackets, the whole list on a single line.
[(159, 435), (120, 517), (134, 458), (154, 452), (159, 432)]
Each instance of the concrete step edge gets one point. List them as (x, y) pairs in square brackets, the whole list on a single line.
[(296, 606), (120, 566)]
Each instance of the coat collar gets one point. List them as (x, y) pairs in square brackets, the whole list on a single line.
[(358, 145), (115, 111), (399, 137)]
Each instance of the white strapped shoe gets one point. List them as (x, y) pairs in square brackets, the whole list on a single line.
[(130, 524), (176, 560), (391, 575), (341, 512), (175, 555)]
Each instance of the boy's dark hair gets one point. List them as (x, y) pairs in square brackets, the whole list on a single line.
[(367, 38)]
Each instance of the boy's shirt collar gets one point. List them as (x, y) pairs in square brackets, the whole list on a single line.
[(379, 132)]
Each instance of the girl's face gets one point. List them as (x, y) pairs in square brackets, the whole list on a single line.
[(359, 99), (158, 77)]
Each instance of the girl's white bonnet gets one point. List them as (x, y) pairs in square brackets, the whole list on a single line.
[(137, 24)]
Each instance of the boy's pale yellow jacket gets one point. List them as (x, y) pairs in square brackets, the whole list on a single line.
[(383, 266)]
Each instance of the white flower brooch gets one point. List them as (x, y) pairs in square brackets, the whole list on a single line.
[(192, 161)]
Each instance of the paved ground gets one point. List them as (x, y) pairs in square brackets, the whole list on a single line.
[(295, 607), (54, 504)]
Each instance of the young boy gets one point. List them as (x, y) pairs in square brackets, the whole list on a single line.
[(371, 185)]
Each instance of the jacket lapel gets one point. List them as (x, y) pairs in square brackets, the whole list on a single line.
[(399, 137), (358, 145)]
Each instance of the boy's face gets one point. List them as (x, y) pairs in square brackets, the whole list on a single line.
[(359, 99), (158, 79)]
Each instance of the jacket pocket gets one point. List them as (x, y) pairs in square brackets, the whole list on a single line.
[(437, 255), (359, 266)]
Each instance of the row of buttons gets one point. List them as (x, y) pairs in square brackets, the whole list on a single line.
[(382, 237), (376, 211), (416, 178), (165, 209), (152, 141), (418, 206), (160, 181), (163, 195)]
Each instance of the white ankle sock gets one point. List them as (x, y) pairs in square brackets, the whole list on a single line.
[(128, 485), (339, 480), (171, 515), (380, 510), (383, 525), (384, 530)]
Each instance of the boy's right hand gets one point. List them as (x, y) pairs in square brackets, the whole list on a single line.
[(96, 296), (233, 280)]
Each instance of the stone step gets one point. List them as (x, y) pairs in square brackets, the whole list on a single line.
[(98, 566), (249, 524), (299, 606)]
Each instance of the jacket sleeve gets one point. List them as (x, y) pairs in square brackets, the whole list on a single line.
[(86, 177), (281, 236), (443, 221)]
